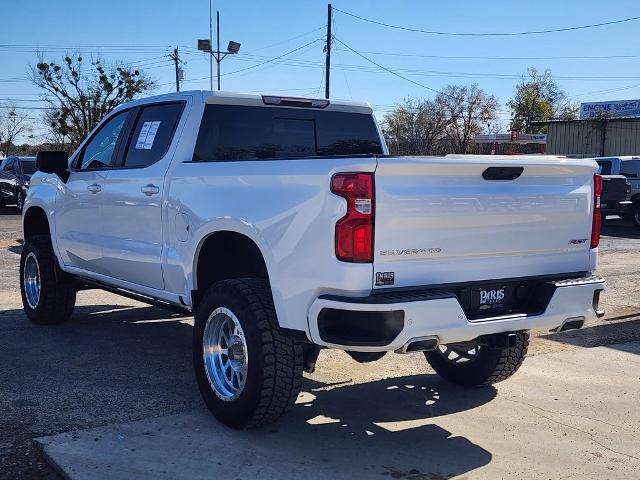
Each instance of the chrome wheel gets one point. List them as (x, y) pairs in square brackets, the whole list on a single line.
[(32, 282), (460, 353), (224, 351)]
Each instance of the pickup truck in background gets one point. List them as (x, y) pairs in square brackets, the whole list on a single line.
[(611, 169), (285, 227)]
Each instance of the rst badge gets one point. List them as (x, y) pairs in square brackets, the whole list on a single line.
[(384, 278)]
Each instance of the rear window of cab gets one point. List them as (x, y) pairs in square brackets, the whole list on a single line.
[(234, 132)]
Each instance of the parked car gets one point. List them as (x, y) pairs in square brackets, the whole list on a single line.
[(15, 174), (285, 227), (629, 167)]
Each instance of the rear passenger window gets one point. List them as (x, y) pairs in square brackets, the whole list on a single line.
[(341, 133), (630, 168), (152, 134)]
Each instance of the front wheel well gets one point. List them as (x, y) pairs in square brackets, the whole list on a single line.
[(226, 255), (35, 223)]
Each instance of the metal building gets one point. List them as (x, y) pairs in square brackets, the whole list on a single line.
[(593, 138)]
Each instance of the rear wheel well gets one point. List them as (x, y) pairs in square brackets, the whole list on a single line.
[(226, 255), (35, 223)]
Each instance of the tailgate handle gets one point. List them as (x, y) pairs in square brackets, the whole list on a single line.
[(502, 173)]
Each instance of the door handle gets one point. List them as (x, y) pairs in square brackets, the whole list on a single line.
[(150, 189), (94, 188)]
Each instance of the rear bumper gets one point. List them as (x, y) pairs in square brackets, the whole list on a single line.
[(391, 321), (616, 207)]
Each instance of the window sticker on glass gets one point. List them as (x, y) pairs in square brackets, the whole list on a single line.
[(147, 135)]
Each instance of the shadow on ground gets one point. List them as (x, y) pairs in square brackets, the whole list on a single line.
[(610, 335), (389, 426), (617, 227), (114, 364)]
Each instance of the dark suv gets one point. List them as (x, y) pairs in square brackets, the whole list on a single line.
[(15, 174)]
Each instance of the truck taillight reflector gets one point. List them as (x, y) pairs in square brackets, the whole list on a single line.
[(354, 231), (597, 214)]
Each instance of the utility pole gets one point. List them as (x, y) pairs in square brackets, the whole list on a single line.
[(210, 43), (327, 67), (176, 61)]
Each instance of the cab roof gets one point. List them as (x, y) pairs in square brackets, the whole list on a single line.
[(259, 100)]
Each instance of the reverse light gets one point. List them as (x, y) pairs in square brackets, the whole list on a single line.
[(354, 231), (597, 214)]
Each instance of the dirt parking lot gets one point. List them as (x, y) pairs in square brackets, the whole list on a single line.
[(118, 361)]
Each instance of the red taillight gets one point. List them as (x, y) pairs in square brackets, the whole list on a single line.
[(627, 188), (354, 231), (597, 215)]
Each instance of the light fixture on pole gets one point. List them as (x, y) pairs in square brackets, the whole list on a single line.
[(205, 46)]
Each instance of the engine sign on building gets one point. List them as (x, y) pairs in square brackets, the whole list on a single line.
[(617, 108)]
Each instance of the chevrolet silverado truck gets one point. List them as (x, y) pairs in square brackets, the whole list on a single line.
[(284, 227)]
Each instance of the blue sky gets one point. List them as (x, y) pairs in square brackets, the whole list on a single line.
[(143, 31)]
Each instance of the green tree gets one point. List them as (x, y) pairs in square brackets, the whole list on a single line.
[(538, 97), (80, 94)]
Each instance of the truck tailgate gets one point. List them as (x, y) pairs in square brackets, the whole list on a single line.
[(613, 191), (439, 220)]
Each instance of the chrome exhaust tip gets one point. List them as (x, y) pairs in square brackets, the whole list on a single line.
[(572, 323), (420, 344)]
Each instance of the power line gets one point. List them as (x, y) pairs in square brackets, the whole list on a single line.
[(489, 34), (261, 60), (275, 58), (436, 73), (287, 40), (265, 62), (482, 57), (385, 68)]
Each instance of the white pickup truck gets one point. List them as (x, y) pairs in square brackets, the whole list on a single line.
[(284, 226)]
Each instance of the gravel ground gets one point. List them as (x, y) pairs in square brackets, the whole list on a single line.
[(118, 360)]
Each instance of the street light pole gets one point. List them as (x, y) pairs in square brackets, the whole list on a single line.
[(210, 43), (205, 45), (218, 59)]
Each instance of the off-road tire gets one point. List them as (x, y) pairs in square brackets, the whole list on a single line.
[(491, 365), (58, 291), (274, 370), (20, 201), (634, 214)]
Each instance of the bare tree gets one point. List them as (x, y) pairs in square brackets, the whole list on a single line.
[(470, 109), (415, 127), (81, 94), (13, 124)]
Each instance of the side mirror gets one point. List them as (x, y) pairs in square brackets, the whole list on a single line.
[(53, 161)]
